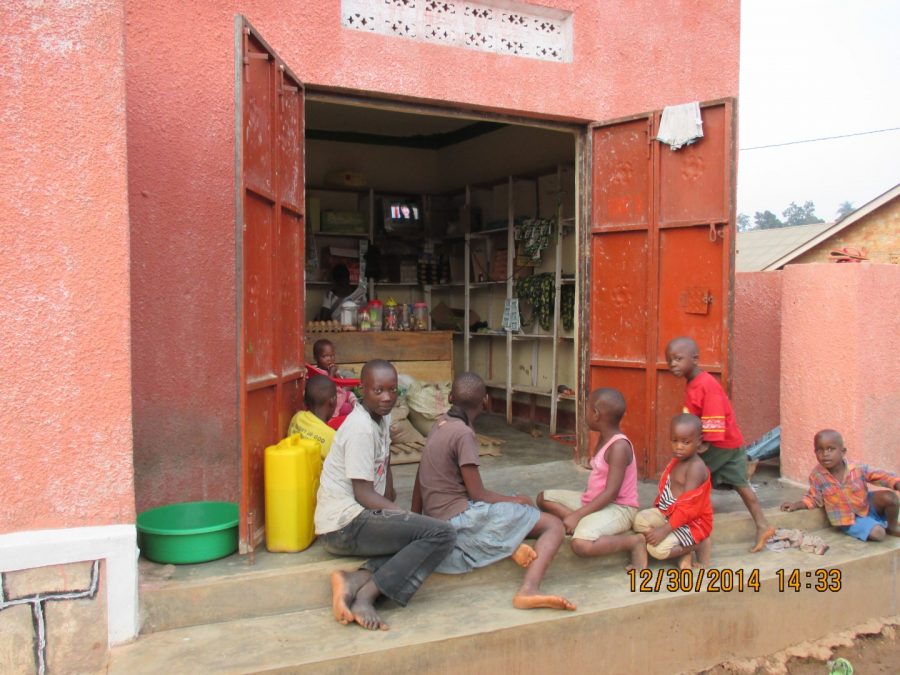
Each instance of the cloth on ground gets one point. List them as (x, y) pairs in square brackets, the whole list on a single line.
[(680, 125), (806, 542)]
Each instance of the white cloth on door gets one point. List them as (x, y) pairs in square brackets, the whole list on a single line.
[(680, 125)]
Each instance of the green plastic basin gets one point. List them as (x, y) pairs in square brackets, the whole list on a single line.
[(190, 532)]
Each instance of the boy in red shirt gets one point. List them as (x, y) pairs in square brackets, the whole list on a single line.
[(682, 518), (722, 448)]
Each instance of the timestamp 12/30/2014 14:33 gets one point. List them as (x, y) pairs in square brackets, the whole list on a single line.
[(714, 580)]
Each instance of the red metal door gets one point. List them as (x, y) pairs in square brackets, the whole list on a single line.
[(270, 254), (660, 264)]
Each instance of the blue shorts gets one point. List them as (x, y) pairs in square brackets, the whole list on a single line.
[(864, 525)]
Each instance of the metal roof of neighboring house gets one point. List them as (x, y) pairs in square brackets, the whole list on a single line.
[(758, 249), (772, 249)]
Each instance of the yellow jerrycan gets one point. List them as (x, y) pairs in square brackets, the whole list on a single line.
[(292, 469)]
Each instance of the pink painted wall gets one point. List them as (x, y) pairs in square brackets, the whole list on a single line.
[(756, 345), (840, 338), (628, 58), (65, 416)]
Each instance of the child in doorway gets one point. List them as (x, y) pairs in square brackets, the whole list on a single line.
[(722, 449), (326, 364), (489, 526), (320, 398), (840, 487), (599, 517), (682, 519), (356, 514)]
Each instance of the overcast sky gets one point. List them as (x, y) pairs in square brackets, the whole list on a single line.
[(815, 68)]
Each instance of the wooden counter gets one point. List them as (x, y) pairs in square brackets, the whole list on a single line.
[(423, 355)]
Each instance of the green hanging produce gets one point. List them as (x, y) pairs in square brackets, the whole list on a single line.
[(538, 290)]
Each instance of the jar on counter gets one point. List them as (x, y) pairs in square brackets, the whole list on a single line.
[(420, 316), (376, 314), (363, 321), (391, 317), (349, 311)]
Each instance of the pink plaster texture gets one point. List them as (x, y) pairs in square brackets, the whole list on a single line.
[(628, 58), (65, 416), (756, 352), (840, 337)]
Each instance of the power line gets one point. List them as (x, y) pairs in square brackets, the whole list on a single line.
[(824, 138)]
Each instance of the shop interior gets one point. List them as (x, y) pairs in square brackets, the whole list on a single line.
[(431, 215)]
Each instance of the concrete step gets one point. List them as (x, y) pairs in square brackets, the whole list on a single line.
[(467, 624), (233, 589)]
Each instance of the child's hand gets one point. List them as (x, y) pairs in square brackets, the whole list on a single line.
[(570, 522), (788, 506), (332, 370), (656, 535), (524, 500)]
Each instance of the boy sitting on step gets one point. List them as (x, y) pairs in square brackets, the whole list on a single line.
[(489, 526), (599, 517), (320, 398), (682, 519), (840, 487)]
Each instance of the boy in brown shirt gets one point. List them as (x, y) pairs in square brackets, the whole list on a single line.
[(489, 526)]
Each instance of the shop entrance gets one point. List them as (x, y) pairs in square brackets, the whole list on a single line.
[(629, 245)]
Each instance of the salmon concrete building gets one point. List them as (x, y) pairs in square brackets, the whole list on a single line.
[(152, 184)]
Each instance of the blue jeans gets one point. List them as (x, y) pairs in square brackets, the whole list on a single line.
[(405, 546)]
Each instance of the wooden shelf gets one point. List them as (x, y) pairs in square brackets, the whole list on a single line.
[(531, 336), (528, 389)]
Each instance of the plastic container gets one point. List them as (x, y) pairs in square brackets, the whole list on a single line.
[(362, 320), (376, 313), (292, 469), (348, 313), (420, 316), (188, 532), (391, 317)]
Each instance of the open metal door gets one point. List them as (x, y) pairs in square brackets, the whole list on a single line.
[(660, 263), (270, 260)]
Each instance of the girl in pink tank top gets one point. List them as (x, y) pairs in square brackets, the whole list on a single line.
[(628, 493)]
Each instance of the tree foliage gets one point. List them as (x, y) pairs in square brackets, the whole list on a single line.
[(766, 220), (743, 222), (844, 209), (800, 215)]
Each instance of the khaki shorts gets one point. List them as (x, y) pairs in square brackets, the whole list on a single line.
[(650, 519), (611, 519)]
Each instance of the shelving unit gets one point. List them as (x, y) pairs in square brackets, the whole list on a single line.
[(513, 364)]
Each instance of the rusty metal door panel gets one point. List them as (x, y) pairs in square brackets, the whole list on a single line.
[(661, 265), (692, 300), (258, 290), (621, 178), (270, 257), (694, 180), (619, 296)]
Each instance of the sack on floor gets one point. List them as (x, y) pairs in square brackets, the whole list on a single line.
[(402, 431), (400, 411), (427, 400)]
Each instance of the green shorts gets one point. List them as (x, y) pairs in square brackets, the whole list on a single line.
[(727, 466)]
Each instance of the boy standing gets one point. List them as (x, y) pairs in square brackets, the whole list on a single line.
[(682, 519), (320, 398), (489, 526), (599, 517), (841, 488), (722, 448), (356, 514)]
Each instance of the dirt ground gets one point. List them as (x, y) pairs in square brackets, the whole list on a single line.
[(872, 649)]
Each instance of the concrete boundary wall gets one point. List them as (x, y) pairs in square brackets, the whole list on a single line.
[(840, 341)]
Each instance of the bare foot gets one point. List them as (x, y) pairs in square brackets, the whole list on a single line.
[(763, 534), (684, 562), (528, 600), (524, 555), (343, 589), (638, 555), (365, 615)]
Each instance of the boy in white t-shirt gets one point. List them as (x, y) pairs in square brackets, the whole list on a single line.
[(356, 514)]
